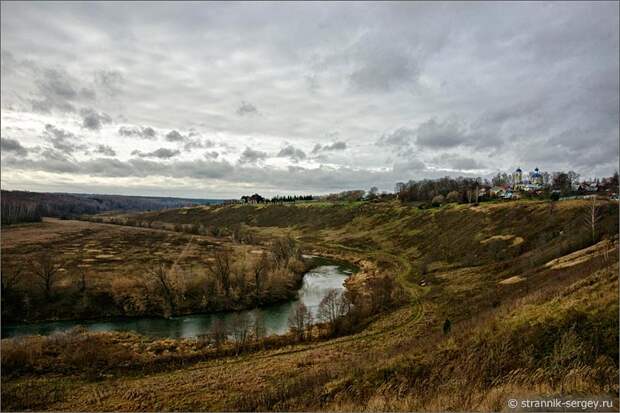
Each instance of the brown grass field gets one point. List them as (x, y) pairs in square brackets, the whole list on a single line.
[(531, 296)]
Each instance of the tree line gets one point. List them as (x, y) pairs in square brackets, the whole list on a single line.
[(15, 212), (46, 286), (24, 206), (467, 190)]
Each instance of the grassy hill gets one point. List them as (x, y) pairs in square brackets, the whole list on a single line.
[(503, 300)]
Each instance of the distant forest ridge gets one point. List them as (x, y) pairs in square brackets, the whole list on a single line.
[(24, 206)]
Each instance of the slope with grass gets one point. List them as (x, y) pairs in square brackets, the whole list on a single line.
[(503, 300)]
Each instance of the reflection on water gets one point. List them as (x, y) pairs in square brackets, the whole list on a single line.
[(316, 284)]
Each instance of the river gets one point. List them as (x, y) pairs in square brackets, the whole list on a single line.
[(316, 283)]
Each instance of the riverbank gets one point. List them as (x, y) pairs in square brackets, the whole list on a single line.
[(63, 270), (315, 284), (488, 314)]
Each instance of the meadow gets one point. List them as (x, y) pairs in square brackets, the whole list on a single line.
[(68, 269), (456, 308)]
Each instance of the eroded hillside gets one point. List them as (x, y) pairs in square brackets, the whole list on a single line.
[(501, 300)]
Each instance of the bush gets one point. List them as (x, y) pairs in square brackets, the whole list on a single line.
[(438, 200), (452, 197)]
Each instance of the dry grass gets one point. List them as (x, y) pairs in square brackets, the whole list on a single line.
[(116, 262), (554, 332)]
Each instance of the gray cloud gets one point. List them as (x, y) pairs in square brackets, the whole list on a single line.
[(246, 108), (62, 140), (57, 91), (175, 136), (399, 138), (110, 81), (138, 131), (94, 120), (250, 155), (197, 143), (336, 146), (12, 146), (289, 151), (433, 134), (161, 153), (458, 162), (382, 68), (105, 150), (512, 84)]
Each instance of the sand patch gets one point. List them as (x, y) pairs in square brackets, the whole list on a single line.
[(512, 280), (497, 238), (604, 247), (107, 257)]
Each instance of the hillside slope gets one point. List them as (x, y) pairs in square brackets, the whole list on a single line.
[(504, 300)]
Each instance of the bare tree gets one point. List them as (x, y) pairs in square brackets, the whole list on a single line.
[(220, 268), (82, 273), (46, 269), (300, 320), (218, 333), (283, 249), (592, 217), (164, 277), (10, 279), (330, 307), (260, 330), (241, 328), (261, 267)]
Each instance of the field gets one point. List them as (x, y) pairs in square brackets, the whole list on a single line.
[(101, 270), (498, 300)]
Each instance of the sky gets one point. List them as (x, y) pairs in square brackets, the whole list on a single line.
[(217, 100)]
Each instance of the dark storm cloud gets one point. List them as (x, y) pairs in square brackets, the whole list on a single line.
[(161, 153), (289, 151), (12, 146), (94, 120), (104, 150), (138, 131), (250, 155), (246, 108)]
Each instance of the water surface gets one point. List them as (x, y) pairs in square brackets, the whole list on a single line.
[(316, 283)]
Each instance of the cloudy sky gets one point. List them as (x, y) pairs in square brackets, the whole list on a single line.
[(220, 100)]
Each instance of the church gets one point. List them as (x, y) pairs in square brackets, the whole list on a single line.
[(532, 183)]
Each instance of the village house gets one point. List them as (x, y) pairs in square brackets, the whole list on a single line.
[(253, 199)]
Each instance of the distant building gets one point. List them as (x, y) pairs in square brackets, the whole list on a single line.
[(497, 191), (536, 178), (253, 199), (534, 181), (517, 179)]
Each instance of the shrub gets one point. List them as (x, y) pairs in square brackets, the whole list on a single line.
[(438, 200), (452, 196)]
